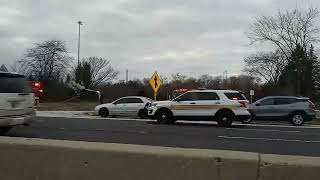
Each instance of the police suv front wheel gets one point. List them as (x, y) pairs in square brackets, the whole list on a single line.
[(164, 117)]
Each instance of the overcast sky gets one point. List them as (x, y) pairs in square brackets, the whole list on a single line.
[(193, 37)]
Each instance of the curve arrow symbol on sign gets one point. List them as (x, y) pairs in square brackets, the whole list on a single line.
[(155, 82)]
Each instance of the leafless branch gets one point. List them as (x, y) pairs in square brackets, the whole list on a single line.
[(101, 70), (46, 61), (269, 66), (287, 29)]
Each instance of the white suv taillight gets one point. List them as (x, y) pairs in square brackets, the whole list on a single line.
[(244, 104)]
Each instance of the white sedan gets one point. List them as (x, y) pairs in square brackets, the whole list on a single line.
[(125, 106)]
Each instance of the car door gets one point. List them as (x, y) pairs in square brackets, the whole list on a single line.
[(118, 107), (264, 108), (196, 104), (133, 105), (284, 106), (207, 103), (184, 105)]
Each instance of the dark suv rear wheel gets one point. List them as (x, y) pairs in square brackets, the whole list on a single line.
[(297, 118)]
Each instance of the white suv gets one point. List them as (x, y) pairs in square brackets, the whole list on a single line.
[(16, 101), (223, 106)]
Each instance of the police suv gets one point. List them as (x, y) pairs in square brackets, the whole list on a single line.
[(223, 106)]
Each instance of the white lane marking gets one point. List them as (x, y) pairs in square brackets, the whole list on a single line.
[(268, 139), (284, 126), (265, 130)]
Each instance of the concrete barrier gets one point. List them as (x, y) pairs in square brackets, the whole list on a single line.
[(280, 167), (38, 159)]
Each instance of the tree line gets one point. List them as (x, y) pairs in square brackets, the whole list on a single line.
[(141, 87)]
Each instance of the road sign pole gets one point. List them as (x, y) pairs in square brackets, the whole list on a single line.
[(251, 95), (155, 96)]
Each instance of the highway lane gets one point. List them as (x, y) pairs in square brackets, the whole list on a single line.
[(250, 138)]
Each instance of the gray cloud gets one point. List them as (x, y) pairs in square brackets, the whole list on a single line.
[(190, 37)]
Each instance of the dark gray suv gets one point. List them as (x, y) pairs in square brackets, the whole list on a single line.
[(296, 110)]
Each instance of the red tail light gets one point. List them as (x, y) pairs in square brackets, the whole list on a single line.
[(243, 104)]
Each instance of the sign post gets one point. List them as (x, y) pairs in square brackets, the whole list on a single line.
[(251, 95), (155, 83)]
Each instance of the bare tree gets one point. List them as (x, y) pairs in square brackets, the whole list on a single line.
[(205, 80), (164, 79), (17, 68), (179, 77), (46, 61), (287, 29), (101, 70), (210, 82), (269, 66), (3, 68), (178, 80)]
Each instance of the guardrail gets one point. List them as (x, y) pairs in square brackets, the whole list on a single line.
[(31, 159)]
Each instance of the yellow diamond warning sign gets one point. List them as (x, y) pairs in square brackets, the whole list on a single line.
[(155, 82)]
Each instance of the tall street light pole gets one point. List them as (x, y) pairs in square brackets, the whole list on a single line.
[(79, 23)]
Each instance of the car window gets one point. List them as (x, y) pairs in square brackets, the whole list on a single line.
[(302, 100), (133, 100), (120, 101), (269, 101), (190, 96), (205, 96), (14, 84), (280, 101), (235, 96)]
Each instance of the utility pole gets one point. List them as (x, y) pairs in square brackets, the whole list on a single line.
[(224, 78), (79, 23), (127, 75), (226, 74)]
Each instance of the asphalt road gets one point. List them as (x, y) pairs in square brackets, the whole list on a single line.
[(249, 138)]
